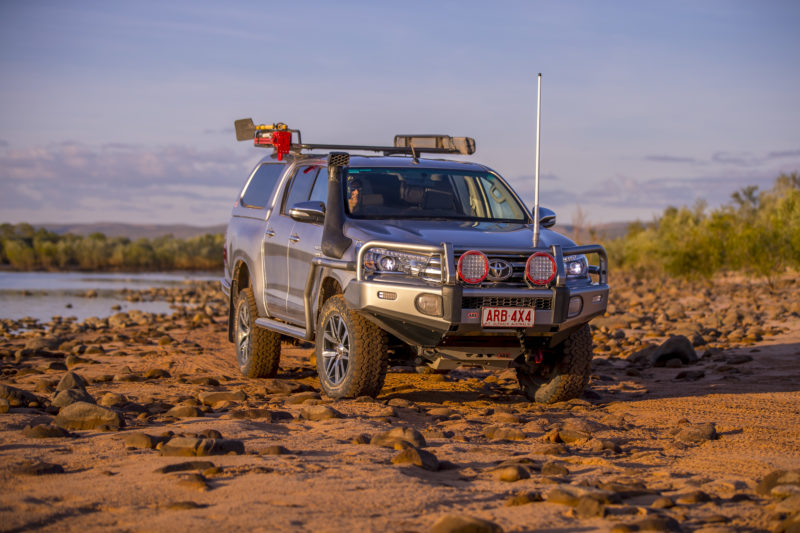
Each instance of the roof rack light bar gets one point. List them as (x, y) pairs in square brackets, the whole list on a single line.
[(279, 136)]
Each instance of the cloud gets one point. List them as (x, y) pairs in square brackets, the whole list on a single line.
[(671, 159), (87, 183)]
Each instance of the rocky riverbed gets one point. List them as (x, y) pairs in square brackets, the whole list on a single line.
[(140, 422)]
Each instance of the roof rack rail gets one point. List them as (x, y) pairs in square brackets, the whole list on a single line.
[(279, 136)]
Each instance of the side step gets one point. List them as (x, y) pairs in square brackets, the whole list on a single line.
[(282, 328)]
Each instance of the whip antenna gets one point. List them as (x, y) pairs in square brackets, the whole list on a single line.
[(536, 180)]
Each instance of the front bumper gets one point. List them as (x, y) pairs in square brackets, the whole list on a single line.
[(394, 307)]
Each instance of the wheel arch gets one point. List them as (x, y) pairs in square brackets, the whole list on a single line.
[(239, 280)]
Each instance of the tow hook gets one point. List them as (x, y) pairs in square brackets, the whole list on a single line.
[(533, 354)]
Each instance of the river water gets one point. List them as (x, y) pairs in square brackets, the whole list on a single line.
[(42, 295)]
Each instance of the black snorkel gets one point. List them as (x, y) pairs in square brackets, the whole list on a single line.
[(334, 242)]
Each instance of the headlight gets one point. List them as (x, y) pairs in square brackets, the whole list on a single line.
[(576, 266), (383, 261)]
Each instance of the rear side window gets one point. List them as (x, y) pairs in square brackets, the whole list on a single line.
[(300, 188), (261, 185)]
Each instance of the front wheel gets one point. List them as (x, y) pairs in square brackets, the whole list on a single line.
[(258, 350), (352, 354), (563, 377)]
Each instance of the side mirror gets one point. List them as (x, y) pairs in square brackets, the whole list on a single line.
[(547, 217), (313, 212)]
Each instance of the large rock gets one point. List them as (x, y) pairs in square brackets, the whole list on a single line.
[(83, 415), (677, 347)]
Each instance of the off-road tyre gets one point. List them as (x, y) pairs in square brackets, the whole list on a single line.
[(258, 350), (365, 344), (564, 374)]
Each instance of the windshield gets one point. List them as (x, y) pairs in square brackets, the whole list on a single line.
[(430, 193)]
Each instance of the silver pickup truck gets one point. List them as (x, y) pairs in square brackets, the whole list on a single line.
[(397, 255)]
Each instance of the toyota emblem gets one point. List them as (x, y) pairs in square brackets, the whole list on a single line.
[(499, 270)]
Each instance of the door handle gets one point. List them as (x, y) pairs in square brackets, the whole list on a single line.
[(294, 238), (269, 233)]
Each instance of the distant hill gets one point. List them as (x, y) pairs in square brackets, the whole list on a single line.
[(134, 231)]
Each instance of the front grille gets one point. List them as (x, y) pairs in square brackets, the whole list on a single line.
[(477, 302)]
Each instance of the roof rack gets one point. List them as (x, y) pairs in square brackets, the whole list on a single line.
[(279, 136)]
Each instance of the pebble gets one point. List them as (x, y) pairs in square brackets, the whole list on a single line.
[(695, 433), (464, 524), (45, 431), (112, 399), (184, 506), (4, 406), (185, 466), (523, 498), (418, 457), (603, 445), (275, 450), (662, 502), (193, 481), (302, 397), (589, 507), (82, 415), (512, 473), (184, 411), (140, 440), (156, 373), (554, 469), (440, 413), (399, 435), (284, 386), (695, 496), (37, 468), (319, 412), (503, 433), (188, 446), (17, 397), (212, 398), (253, 414)]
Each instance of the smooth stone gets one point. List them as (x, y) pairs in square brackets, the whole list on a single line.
[(512, 473), (464, 524), (319, 412), (776, 478), (185, 466), (554, 469), (275, 450), (253, 414), (302, 397), (4, 406), (140, 440), (211, 398), (184, 411), (696, 433), (156, 373), (17, 397), (188, 446), (417, 457), (112, 399), (523, 499), (82, 415), (45, 431), (503, 433), (284, 386), (678, 347), (37, 468), (389, 438)]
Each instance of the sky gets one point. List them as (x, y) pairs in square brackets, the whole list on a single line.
[(123, 111)]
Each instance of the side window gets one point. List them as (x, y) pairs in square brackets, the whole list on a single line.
[(320, 191), (261, 185), (300, 188)]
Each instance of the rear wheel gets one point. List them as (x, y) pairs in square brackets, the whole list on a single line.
[(258, 350), (563, 377), (352, 355)]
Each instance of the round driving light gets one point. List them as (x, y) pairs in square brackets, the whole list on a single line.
[(472, 266), (540, 268)]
